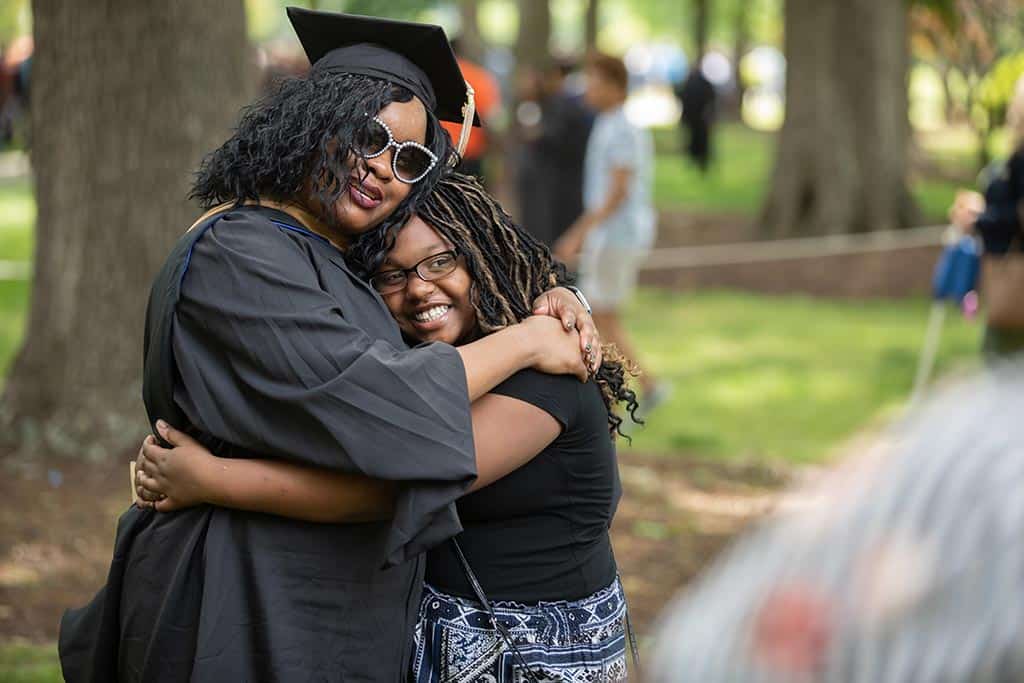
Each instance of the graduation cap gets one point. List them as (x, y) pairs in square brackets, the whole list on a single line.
[(415, 56)]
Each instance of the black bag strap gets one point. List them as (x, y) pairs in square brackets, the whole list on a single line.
[(481, 597), (498, 626)]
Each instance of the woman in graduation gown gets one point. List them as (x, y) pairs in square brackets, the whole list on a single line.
[(260, 339)]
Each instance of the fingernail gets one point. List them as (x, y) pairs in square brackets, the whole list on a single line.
[(161, 426)]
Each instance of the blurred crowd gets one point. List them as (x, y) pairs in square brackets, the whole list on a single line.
[(15, 69)]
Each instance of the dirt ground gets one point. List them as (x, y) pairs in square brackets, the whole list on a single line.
[(58, 518)]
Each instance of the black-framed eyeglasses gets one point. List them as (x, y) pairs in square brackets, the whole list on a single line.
[(411, 161), (434, 267)]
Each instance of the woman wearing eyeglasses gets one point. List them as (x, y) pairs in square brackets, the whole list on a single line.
[(261, 340), (537, 539)]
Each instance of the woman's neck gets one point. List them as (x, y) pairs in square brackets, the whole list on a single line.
[(471, 336)]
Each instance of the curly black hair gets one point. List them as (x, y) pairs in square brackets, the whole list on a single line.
[(304, 129), (510, 269)]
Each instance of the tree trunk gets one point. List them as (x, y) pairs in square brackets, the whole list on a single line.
[(590, 16), (532, 43), (700, 29), (126, 98), (841, 156), (469, 35), (741, 42), (532, 51), (949, 102)]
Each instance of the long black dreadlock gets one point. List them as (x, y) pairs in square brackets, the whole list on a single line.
[(510, 269), (304, 130)]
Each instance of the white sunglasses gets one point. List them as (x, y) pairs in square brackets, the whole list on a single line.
[(411, 161)]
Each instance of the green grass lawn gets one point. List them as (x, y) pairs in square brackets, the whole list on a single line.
[(17, 216), (736, 183), (13, 306), (29, 664), (738, 180), (755, 376), (780, 378)]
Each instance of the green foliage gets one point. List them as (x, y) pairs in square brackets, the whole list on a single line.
[(15, 19), (22, 663), (779, 377), (996, 89), (673, 21), (267, 19), (945, 10)]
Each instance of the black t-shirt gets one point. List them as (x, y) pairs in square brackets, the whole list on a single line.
[(541, 533)]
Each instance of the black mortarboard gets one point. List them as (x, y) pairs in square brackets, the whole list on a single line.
[(416, 56)]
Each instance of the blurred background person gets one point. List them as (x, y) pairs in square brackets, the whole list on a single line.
[(998, 217), (15, 70), (617, 228), (697, 97), (554, 143), (488, 104), (905, 565)]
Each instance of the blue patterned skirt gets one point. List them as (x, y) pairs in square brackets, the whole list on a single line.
[(582, 641)]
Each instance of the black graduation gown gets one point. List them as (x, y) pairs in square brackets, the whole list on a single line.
[(697, 95), (261, 340), (551, 177)]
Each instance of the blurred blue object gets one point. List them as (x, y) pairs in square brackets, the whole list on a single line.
[(55, 477), (956, 273)]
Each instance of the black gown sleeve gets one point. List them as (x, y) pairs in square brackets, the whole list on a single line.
[(269, 363)]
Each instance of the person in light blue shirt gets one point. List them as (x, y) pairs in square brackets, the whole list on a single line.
[(613, 236)]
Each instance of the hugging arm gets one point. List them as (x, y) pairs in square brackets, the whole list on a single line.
[(271, 364), (189, 474)]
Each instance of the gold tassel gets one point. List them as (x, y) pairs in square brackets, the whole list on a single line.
[(468, 111)]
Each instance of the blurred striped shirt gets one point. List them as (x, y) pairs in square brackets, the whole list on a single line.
[(906, 565)]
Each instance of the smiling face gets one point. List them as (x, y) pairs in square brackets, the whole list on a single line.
[(430, 311), (368, 200)]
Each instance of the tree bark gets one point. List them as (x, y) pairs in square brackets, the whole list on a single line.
[(740, 44), (700, 29), (469, 35), (126, 98), (590, 17), (534, 38), (841, 156)]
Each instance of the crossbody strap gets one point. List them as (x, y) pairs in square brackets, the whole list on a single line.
[(481, 597), (498, 626)]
